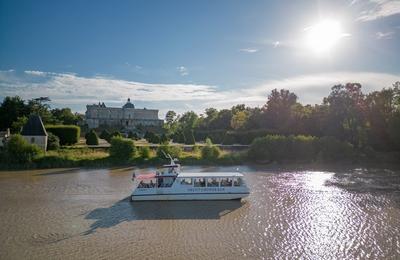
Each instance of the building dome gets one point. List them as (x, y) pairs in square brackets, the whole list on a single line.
[(128, 104)]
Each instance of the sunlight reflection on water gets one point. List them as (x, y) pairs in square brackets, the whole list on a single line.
[(289, 214)]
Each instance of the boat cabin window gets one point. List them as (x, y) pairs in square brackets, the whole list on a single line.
[(212, 182), (186, 181), (237, 181), (199, 182), (165, 182), (226, 182), (151, 183)]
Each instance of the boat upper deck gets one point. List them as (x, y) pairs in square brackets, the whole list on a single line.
[(209, 174)]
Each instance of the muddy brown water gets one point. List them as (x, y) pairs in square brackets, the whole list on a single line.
[(85, 214)]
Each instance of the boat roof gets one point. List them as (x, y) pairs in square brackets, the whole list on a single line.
[(170, 166), (209, 174)]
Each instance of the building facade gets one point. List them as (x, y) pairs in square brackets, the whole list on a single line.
[(128, 117), (34, 132)]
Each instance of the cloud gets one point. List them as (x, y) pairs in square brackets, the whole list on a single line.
[(73, 89), (384, 35), (183, 70), (377, 9), (310, 88), (35, 72), (78, 91), (248, 50)]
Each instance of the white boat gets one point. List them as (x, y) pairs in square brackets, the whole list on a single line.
[(169, 183)]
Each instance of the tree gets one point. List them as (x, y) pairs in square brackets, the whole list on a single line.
[(17, 125), (170, 116), (277, 110), (65, 116), (39, 107), (188, 120), (346, 113), (10, 110), (189, 137), (222, 121), (164, 139), (239, 120)]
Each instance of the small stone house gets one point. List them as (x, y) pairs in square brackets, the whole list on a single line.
[(34, 132)]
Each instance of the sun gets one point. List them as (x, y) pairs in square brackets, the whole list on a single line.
[(322, 37)]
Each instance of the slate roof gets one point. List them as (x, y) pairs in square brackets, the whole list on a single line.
[(128, 104), (34, 127)]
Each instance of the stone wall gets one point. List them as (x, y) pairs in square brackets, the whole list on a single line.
[(40, 141)]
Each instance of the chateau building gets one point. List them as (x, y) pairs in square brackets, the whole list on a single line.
[(128, 117)]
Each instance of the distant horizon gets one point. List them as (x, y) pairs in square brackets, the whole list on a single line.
[(315, 88)]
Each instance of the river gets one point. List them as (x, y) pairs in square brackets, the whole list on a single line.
[(85, 214)]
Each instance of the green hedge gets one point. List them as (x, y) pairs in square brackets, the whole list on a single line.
[(92, 138), (279, 148), (209, 151), (299, 148), (122, 149), (232, 137), (332, 149), (68, 134), (105, 135)]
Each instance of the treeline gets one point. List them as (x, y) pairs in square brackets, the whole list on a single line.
[(347, 114), (14, 113)]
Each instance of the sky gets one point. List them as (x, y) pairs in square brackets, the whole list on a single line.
[(190, 55)]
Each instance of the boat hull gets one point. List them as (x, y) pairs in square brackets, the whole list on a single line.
[(189, 196)]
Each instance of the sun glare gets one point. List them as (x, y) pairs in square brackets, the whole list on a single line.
[(323, 36)]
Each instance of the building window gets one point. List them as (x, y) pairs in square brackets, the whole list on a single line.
[(32, 140)]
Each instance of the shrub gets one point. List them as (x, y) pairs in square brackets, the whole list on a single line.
[(174, 151), (164, 139), (92, 138), (18, 150), (278, 148), (68, 134), (110, 136), (332, 149), (105, 135), (133, 136), (144, 152), (178, 137), (152, 138), (53, 142), (210, 151), (301, 148), (122, 149), (116, 134)]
